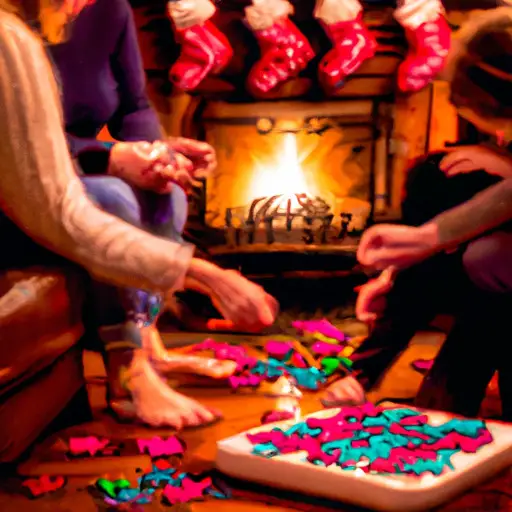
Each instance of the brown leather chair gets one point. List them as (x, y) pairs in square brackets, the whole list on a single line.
[(41, 368)]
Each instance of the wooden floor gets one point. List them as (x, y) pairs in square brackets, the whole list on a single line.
[(241, 412)]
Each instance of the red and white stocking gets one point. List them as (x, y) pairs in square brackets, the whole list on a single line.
[(204, 49), (429, 38), (285, 51), (352, 41)]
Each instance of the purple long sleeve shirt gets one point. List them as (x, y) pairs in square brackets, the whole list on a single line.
[(102, 78)]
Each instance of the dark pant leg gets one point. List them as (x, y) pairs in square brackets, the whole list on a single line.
[(488, 263), (479, 342), (414, 301), (463, 367), (162, 215), (426, 289)]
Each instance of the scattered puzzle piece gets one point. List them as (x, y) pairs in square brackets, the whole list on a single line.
[(161, 447), (90, 446), (43, 485), (112, 487)]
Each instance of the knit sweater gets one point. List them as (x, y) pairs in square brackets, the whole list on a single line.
[(39, 186), (102, 78)]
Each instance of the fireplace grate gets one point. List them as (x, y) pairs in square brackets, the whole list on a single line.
[(285, 218)]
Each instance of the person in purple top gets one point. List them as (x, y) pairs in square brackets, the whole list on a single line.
[(100, 70)]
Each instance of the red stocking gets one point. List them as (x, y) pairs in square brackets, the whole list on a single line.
[(285, 51), (204, 49), (429, 38), (352, 41)]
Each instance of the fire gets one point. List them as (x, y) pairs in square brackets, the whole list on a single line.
[(283, 177)]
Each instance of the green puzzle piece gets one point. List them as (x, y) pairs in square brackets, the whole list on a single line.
[(111, 488), (330, 365)]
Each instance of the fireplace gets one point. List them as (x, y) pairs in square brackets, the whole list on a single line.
[(295, 176)]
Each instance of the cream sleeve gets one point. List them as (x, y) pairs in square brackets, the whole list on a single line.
[(485, 211), (39, 187)]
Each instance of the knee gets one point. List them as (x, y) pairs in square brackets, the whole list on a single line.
[(487, 262), (114, 196)]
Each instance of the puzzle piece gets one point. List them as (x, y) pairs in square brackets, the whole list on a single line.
[(43, 485), (112, 487), (161, 446), (157, 477)]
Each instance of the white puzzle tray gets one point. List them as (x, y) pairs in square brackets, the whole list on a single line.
[(393, 493)]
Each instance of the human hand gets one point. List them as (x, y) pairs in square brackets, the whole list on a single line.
[(390, 245), (371, 300), (346, 391), (150, 166), (239, 300), (200, 154), (476, 158)]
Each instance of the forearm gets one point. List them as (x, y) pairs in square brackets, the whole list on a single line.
[(485, 211)]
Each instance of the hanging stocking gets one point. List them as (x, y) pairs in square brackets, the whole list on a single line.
[(429, 37), (352, 41), (285, 51), (204, 49)]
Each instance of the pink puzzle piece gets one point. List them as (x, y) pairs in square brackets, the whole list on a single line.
[(87, 445), (160, 447), (188, 491), (278, 349)]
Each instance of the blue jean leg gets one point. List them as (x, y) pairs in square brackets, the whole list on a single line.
[(161, 215)]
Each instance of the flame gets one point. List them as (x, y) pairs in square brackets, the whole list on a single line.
[(283, 177)]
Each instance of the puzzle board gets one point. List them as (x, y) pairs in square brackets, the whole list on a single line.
[(390, 492)]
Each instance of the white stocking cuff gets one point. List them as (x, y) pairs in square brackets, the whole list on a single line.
[(335, 11), (414, 13), (187, 13), (262, 14)]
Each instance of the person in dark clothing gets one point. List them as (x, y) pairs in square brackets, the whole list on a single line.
[(459, 260)]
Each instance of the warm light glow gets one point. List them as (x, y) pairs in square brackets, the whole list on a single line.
[(284, 176)]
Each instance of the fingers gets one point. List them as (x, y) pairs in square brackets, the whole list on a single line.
[(183, 163), (201, 154), (371, 299), (346, 391), (391, 245), (191, 147), (466, 159), (372, 239)]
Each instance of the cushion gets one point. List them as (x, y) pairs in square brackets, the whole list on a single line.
[(40, 319)]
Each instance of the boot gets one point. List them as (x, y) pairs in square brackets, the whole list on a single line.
[(353, 44), (285, 51), (204, 49), (429, 36)]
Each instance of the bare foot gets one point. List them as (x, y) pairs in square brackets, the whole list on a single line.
[(167, 361), (157, 405), (346, 391)]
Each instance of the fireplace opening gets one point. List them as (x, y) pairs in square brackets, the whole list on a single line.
[(285, 208), (294, 176)]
